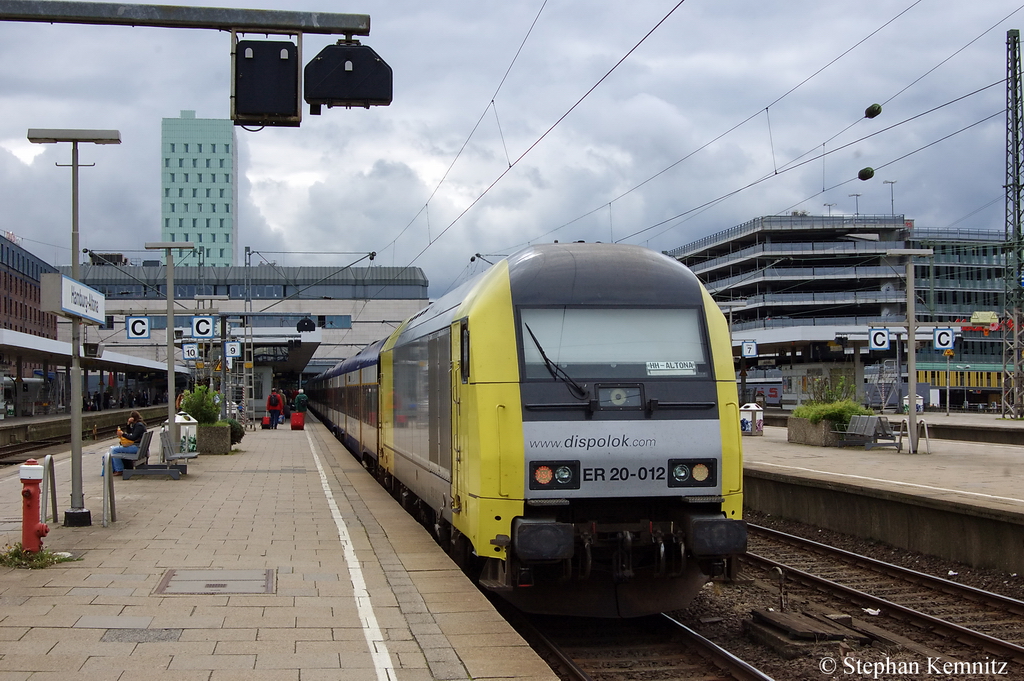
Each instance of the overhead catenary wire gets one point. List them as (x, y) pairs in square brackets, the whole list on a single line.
[(770, 176), (544, 135), (776, 101), (472, 132)]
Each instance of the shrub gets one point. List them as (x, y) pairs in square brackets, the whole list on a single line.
[(825, 390), (237, 431), (838, 412), (200, 405)]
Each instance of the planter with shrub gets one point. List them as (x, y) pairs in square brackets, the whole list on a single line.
[(212, 436), (829, 410)]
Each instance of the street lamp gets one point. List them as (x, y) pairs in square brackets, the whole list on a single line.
[(911, 340), (829, 206), (892, 196), (965, 368), (169, 246), (947, 382), (856, 203), (77, 515)]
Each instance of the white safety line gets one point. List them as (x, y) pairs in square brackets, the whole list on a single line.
[(891, 482), (371, 630)]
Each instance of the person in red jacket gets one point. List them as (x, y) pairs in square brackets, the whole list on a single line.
[(274, 405)]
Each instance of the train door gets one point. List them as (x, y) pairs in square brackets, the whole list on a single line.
[(459, 377)]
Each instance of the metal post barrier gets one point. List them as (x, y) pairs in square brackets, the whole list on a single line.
[(48, 488), (109, 507), (923, 425)]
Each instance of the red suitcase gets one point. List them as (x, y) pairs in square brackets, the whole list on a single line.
[(298, 420), (266, 423)]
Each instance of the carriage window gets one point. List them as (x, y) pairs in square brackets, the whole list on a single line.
[(600, 343)]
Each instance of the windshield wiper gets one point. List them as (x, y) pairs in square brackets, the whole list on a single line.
[(578, 391)]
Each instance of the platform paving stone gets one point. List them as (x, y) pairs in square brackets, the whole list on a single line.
[(261, 508)]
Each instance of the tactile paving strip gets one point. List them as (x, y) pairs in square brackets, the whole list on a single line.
[(217, 582)]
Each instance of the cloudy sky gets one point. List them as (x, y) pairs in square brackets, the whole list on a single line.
[(654, 122)]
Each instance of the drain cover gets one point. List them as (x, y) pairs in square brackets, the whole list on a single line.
[(217, 582)]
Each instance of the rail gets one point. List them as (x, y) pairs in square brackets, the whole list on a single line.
[(47, 490), (928, 622), (109, 505), (922, 425)]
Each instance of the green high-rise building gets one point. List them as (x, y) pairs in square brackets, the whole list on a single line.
[(199, 189)]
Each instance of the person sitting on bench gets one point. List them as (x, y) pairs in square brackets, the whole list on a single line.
[(129, 442)]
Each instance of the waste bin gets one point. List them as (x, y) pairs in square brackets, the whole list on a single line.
[(906, 404), (186, 431), (751, 419)]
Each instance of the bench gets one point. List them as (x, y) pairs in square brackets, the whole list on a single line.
[(856, 432), (171, 454), (167, 457), (141, 456), (883, 435), (869, 432)]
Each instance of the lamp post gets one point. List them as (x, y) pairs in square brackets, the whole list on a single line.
[(892, 196), (947, 385), (911, 340), (169, 246), (829, 206), (965, 368), (856, 203), (77, 515)]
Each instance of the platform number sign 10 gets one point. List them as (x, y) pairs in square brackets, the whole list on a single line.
[(190, 352)]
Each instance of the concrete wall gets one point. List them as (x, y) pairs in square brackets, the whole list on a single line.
[(972, 535)]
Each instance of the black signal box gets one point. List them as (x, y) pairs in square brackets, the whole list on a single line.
[(349, 75), (266, 83)]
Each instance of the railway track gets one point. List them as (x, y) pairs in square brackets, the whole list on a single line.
[(979, 619), (651, 648), (18, 453)]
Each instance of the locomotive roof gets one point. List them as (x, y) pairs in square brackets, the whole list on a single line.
[(600, 274)]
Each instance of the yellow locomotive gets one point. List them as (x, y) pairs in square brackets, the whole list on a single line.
[(566, 423)]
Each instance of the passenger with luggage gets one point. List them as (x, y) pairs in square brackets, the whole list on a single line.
[(274, 405)]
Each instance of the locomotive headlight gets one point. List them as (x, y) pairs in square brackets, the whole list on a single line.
[(700, 472), (554, 475), (692, 473)]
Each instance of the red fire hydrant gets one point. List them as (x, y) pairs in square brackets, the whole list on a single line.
[(32, 531)]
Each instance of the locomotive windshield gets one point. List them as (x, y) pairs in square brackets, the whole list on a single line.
[(602, 343)]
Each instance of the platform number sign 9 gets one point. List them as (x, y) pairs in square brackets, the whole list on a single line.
[(878, 339)]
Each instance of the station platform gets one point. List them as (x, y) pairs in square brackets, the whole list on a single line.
[(956, 499), (284, 560), (977, 473)]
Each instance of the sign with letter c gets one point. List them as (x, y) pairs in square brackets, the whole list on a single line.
[(136, 327), (202, 327), (942, 339), (878, 339)]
